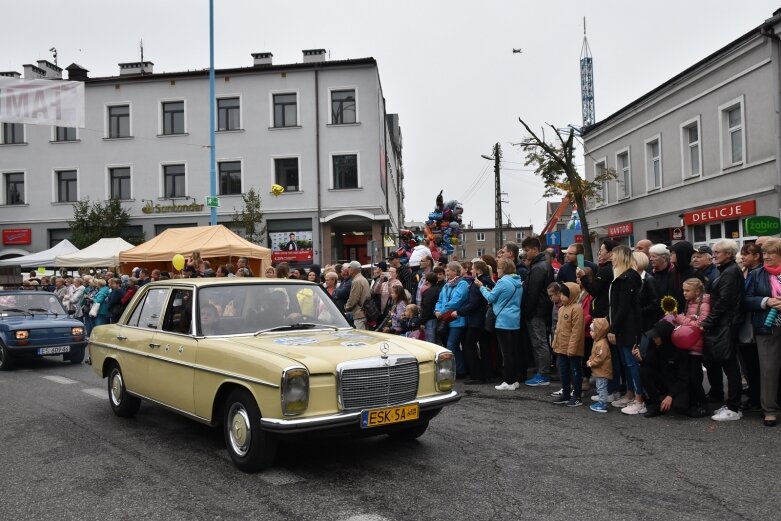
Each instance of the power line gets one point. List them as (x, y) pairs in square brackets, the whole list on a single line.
[(471, 189)]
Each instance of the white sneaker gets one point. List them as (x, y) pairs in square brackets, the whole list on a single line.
[(634, 407), (725, 414), (621, 402), (504, 386), (558, 394), (610, 397)]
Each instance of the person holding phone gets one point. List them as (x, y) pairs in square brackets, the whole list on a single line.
[(574, 260)]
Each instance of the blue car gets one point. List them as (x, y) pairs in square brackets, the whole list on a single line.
[(34, 324)]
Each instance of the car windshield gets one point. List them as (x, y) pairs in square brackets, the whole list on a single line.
[(27, 303), (255, 308)]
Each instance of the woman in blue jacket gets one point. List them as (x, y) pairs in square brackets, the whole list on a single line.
[(101, 297), (505, 299), (453, 296)]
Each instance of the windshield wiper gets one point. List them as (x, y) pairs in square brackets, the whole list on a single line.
[(17, 310), (44, 311), (291, 327)]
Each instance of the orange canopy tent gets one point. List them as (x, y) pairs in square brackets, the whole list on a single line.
[(217, 244)]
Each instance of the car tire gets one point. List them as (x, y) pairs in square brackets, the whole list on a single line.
[(6, 362), (76, 356), (409, 433), (121, 402), (250, 448)]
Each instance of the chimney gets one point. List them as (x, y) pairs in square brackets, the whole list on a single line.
[(314, 55), (11, 74), (52, 71), (33, 72), (262, 59), (127, 69), (76, 72)]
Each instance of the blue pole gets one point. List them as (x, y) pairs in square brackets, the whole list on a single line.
[(212, 151)]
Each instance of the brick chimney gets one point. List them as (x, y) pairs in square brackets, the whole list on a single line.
[(76, 72), (33, 72), (262, 59), (127, 69), (314, 55), (52, 71)]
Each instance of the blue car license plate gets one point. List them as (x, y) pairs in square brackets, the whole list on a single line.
[(56, 350)]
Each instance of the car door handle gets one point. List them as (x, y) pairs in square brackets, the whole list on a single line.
[(120, 337), (153, 346)]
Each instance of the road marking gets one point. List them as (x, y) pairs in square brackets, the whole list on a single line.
[(279, 477), (60, 379), (97, 392), (367, 517)]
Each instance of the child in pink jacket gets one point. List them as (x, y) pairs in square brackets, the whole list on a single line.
[(697, 309)]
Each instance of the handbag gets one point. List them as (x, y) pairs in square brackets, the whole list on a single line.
[(93, 311), (490, 316), (746, 331), (371, 310), (718, 345)]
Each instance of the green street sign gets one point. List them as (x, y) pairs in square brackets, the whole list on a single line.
[(761, 225), (212, 202)]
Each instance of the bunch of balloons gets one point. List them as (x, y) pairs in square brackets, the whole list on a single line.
[(443, 227)]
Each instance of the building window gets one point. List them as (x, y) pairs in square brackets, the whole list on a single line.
[(624, 175), (119, 180), (602, 194), (13, 133), (14, 188), (286, 173), (345, 171), (735, 123), (230, 177), (519, 237), (64, 134), (343, 107), (480, 252), (57, 235), (691, 149), (66, 186), (285, 108), (173, 117), (653, 163), (119, 121), (228, 114), (173, 181), (480, 236), (732, 125)]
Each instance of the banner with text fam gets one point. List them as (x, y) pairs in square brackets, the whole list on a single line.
[(42, 102)]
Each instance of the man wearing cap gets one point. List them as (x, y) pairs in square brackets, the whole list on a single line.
[(403, 272), (702, 262), (359, 294)]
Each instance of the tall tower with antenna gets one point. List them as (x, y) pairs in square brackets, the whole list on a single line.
[(587, 80)]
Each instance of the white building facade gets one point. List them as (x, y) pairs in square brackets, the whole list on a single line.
[(698, 155), (317, 128)]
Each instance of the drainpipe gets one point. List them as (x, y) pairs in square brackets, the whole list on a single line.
[(317, 152)]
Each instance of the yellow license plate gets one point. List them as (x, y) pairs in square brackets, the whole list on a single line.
[(389, 415)]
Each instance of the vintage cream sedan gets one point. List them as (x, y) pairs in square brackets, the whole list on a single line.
[(265, 358)]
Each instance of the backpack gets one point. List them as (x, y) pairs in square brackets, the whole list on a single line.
[(371, 310)]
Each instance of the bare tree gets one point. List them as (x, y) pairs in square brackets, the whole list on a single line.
[(554, 163)]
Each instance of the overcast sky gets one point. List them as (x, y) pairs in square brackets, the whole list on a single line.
[(446, 67)]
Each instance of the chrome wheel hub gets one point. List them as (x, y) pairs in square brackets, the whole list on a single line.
[(116, 389), (240, 431)]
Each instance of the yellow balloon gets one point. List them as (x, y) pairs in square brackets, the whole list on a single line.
[(277, 189), (178, 261)]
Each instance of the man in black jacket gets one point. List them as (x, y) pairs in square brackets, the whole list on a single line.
[(598, 284), (537, 308), (435, 281), (568, 271), (702, 261), (404, 273), (720, 328)]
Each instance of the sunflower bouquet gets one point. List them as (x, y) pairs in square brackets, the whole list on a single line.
[(669, 305)]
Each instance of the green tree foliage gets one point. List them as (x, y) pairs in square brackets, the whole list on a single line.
[(249, 221), (554, 163), (95, 220)]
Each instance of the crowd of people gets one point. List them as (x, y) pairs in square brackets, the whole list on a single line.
[(638, 325)]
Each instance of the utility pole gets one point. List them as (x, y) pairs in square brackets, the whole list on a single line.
[(498, 196)]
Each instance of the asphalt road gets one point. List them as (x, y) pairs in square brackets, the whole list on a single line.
[(493, 456)]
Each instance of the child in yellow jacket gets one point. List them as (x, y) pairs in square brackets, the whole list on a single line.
[(600, 362), (568, 344)]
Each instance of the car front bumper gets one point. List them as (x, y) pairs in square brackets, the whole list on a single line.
[(429, 407), (32, 350)]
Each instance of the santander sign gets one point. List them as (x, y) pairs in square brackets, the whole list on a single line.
[(721, 213)]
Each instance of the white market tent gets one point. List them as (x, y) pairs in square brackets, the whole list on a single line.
[(46, 258), (102, 254)]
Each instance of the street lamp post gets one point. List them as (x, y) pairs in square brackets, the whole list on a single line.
[(212, 152)]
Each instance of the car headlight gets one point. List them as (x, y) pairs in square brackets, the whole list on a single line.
[(446, 371), (77, 331), (22, 335), (295, 391)]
